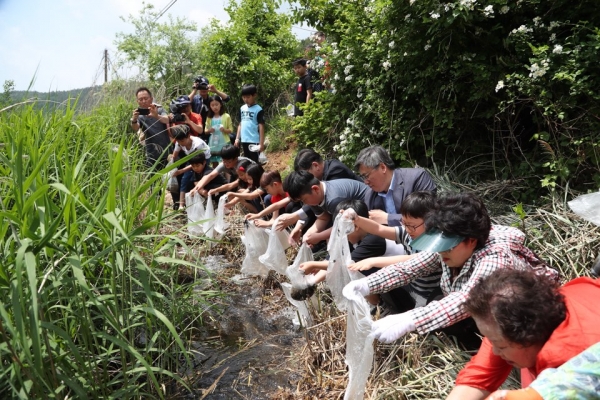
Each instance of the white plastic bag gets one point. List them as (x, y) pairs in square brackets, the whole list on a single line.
[(262, 158), (255, 239), (274, 257), (209, 219), (220, 224), (587, 206), (195, 212), (338, 274), (359, 347), (172, 184), (300, 305), (297, 277)]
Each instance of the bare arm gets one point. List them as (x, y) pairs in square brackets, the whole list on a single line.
[(249, 195), (261, 132), (375, 228), (308, 95), (462, 392), (378, 262)]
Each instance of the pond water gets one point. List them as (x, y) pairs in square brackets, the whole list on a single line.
[(243, 351)]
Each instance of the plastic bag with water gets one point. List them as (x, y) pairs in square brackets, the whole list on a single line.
[(220, 224), (297, 277), (274, 257), (255, 239), (209, 219), (359, 347), (587, 206), (195, 212), (338, 274), (300, 305)]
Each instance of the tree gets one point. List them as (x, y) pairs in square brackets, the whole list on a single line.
[(164, 52)]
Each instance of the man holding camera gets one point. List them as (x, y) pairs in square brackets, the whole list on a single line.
[(181, 113), (152, 119), (199, 99)]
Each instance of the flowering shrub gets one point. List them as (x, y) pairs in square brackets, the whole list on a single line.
[(491, 89)]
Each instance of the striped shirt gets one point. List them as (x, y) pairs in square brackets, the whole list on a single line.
[(504, 249)]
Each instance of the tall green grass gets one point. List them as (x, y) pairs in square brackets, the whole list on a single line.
[(88, 305)]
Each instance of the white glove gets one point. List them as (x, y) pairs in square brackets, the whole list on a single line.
[(349, 214), (359, 287), (393, 327)]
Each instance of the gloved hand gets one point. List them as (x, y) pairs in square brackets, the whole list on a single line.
[(393, 327), (359, 287)]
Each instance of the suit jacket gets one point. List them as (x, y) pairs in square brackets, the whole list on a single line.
[(406, 181)]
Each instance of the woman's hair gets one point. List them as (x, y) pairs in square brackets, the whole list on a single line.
[(525, 306), (255, 171), (210, 99), (243, 167), (269, 177), (461, 214)]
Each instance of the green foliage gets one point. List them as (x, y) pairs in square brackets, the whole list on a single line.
[(256, 46), (89, 307), (164, 52), (463, 84), (9, 86)]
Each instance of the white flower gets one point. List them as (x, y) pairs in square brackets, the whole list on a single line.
[(553, 37), (434, 15), (387, 65), (349, 121), (407, 17), (500, 85), (427, 47), (553, 24), (535, 71), (392, 44), (348, 69), (335, 148), (336, 77), (537, 21), (521, 29), (411, 2), (489, 11), (349, 56), (348, 78), (342, 136), (405, 54), (557, 49), (357, 135), (504, 9), (469, 4), (335, 52)]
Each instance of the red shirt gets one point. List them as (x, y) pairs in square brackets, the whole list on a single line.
[(577, 332), (195, 118), (278, 197)]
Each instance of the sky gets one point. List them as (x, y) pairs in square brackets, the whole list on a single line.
[(61, 43)]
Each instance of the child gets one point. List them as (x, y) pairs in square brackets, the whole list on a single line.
[(251, 130), (229, 166), (276, 199), (181, 113), (304, 89), (201, 169), (252, 197), (187, 144), (219, 125)]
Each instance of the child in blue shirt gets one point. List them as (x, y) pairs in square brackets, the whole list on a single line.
[(251, 130)]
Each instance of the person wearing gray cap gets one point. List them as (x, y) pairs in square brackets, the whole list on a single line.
[(462, 242)]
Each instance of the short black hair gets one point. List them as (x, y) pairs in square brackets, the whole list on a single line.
[(230, 152), (249, 89), (461, 214), (305, 158), (526, 307), (418, 204), (143, 89), (199, 158), (298, 183), (300, 61), (357, 205), (180, 132)]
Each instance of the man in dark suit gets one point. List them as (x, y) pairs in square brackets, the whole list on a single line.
[(388, 186)]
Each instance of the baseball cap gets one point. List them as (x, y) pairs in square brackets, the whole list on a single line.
[(183, 100), (435, 241)]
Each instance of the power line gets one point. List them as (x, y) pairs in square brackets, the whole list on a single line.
[(304, 29), (164, 10)]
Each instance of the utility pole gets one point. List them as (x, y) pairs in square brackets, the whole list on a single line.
[(105, 65)]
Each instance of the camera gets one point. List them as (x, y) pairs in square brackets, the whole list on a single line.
[(200, 83), (177, 110), (143, 111)]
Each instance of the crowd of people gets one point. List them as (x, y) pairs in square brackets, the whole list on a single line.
[(431, 263)]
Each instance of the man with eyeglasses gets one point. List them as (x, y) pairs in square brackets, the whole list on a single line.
[(388, 186), (460, 235)]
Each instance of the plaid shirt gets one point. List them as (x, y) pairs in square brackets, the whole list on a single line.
[(503, 249)]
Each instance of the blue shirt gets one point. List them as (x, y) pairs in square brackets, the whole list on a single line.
[(251, 117)]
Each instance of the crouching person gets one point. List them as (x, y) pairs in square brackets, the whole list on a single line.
[(201, 169), (529, 322), (460, 235)]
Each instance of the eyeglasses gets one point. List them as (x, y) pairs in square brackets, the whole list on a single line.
[(365, 177), (412, 227)]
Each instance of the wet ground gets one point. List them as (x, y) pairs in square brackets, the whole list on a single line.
[(242, 354)]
